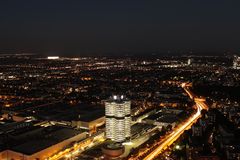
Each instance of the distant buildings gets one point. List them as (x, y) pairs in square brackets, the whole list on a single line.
[(53, 106), (190, 60), (163, 118), (197, 130), (118, 118), (236, 62), (53, 57)]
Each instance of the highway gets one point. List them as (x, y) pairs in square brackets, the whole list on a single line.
[(177, 131), (159, 147)]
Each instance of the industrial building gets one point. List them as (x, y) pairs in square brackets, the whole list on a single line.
[(36, 143)]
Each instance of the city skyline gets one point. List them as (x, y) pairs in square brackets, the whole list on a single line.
[(63, 108), (119, 80)]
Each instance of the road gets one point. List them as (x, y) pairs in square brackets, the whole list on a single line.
[(161, 145), (176, 133), (77, 148)]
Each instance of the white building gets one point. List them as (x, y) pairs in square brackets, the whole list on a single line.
[(236, 62), (118, 118), (190, 60)]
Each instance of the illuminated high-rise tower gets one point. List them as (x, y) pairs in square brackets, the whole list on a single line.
[(190, 61), (236, 62), (118, 118)]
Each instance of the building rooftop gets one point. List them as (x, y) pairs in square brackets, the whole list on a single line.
[(117, 99), (64, 112), (140, 127), (52, 136), (163, 117)]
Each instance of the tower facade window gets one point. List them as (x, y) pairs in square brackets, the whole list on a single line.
[(118, 118)]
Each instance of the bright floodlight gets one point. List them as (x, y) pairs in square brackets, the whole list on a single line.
[(177, 147), (53, 57)]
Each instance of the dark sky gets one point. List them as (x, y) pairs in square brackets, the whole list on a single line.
[(118, 26)]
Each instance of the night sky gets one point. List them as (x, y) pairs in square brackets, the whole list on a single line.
[(96, 27)]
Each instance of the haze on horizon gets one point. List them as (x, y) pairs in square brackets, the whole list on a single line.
[(114, 27)]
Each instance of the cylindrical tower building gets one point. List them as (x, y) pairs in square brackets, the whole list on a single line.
[(118, 118)]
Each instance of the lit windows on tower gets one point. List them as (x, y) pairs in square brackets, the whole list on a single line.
[(118, 118), (236, 62)]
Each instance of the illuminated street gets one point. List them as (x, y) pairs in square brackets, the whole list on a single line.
[(119, 80), (175, 134), (70, 108), (78, 148)]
